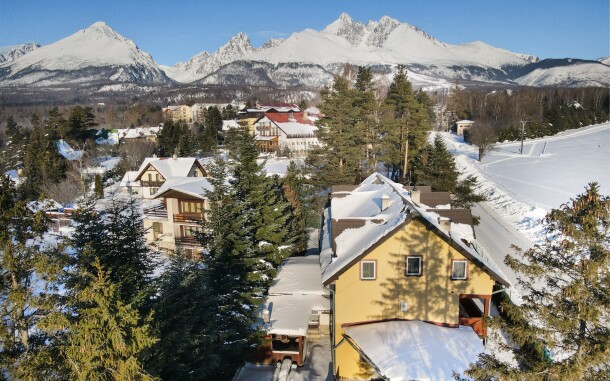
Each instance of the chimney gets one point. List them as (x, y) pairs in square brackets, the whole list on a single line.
[(174, 156), (415, 196), (385, 202), (445, 223), (266, 316)]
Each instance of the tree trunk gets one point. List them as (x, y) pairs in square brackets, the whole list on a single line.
[(406, 158)]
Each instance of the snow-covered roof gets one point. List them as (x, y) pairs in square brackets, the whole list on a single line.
[(296, 292), (289, 314), (364, 205), (299, 276), (297, 129), (44, 205), (192, 186), (464, 121), (68, 152), (138, 132), (415, 350), (228, 124), (168, 167), (278, 165)]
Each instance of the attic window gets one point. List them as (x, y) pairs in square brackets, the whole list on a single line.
[(459, 269), (368, 270)]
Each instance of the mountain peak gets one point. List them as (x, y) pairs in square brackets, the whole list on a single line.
[(99, 24)]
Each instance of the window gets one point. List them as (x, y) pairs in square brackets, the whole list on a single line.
[(414, 265), (191, 231), (368, 270), (153, 191), (191, 207), (157, 227), (150, 177), (459, 269)]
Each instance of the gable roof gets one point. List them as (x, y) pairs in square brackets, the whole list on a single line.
[(376, 225), (188, 186), (170, 167)]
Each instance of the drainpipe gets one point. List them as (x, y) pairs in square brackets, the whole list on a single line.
[(332, 326)]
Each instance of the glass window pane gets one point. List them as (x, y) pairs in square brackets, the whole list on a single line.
[(459, 270), (368, 270), (413, 265)]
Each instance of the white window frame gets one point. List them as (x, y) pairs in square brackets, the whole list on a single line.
[(420, 265), (362, 270), (465, 262)]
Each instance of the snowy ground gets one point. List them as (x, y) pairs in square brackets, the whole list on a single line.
[(553, 169), (523, 188)]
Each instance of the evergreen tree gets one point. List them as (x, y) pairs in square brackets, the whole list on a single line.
[(435, 166), (295, 191), (98, 188), (463, 195), (14, 147), (108, 336), (406, 125), (181, 323), (338, 160), (29, 279), (234, 276), (566, 299), (278, 232), (114, 236)]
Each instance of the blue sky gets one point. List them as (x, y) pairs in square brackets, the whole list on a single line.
[(175, 31)]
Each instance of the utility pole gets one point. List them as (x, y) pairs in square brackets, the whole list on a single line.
[(523, 121)]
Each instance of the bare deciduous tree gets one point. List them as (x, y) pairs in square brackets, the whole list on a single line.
[(484, 137), (64, 192), (133, 153)]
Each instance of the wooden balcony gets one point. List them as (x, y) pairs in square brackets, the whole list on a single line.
[(189, 217), (152, 184), (187, 241)]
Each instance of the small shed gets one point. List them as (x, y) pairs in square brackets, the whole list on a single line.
[(460, 125), (297, 306)]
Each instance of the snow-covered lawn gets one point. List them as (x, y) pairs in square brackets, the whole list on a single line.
[(523, 188)]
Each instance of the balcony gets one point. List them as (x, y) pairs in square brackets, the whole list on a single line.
[(156, 211), (189, 217), (187, 241), (151, 184)]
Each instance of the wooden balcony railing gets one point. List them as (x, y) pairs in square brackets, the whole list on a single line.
[(189, 217), (152, 184), (187, 241)]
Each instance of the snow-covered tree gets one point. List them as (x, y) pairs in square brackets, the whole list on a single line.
[(561, 331)]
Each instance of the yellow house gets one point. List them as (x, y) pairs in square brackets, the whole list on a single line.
[(401, 274)]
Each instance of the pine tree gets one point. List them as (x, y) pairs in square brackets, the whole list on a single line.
[(182, 323), (463, 195), (566, 299), (114, 236), (234, 276), (339, 160), (406, 125), (98, 187), (14, 147), (108, 336), (295, 191), (29, 277), (435, 166)]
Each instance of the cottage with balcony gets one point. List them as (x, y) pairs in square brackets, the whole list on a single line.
[(154, 171), (178, 219), (406, 283)]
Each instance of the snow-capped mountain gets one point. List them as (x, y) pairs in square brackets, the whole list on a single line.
[(94, 55), (384, 44), (205, 63), (566, 73), (605, 61), (11, 53)]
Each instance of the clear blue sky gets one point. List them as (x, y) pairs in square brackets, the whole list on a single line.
[(174, 31)]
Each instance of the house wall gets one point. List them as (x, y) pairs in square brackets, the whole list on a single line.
[(145, 189), (433, 296), (299, 147)]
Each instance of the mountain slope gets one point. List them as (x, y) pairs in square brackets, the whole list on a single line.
[(11, 53), (96, 54), (204, 63)]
